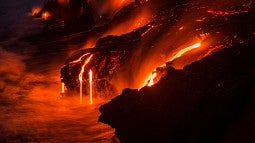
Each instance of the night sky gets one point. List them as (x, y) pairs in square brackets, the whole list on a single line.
[(13, 12)]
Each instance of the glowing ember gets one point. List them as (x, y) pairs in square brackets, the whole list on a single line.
[(151, 79), (45, 15), (183, 51), (62, 87), (90, 87), (36, 10)]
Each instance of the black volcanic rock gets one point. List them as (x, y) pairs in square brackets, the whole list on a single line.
[(174, 24), (211, 100), (109, 53)]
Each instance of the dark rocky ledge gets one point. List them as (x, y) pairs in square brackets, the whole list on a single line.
[(211, 100)]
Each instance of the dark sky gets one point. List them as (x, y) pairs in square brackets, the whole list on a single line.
[(12, 12)]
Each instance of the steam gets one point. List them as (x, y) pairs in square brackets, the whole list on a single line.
[(31, 107), (32, 110), (11, 69)]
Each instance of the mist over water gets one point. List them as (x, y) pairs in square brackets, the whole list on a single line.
[(31, 109)]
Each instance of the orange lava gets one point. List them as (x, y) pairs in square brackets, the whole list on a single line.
[(79, 59), (62, 87), (80, 78), (151, 79), (90, 87), (81, 75), (183, 51)]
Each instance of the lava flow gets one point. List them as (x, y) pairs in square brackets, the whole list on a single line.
[(146, 34), (166, 48), (151, 80), (90, 87), (185, 50), (81, 76), (62, 87), (80, 79)]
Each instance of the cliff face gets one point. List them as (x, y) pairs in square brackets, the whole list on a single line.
[(211, 100), (108, 54), (144, 35)]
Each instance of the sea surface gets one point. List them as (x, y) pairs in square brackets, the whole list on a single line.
[(31, 108)]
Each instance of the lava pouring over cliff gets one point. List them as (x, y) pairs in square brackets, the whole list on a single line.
[(156, 49), (150, 81), (165, 37)]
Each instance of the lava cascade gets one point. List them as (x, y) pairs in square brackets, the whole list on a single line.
[(127, 60)]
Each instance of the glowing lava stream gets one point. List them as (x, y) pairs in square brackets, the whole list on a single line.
[(80, 78), (90, 87), (62, 87), (150, 81), (183, 51), (81, 75), (79, 59)]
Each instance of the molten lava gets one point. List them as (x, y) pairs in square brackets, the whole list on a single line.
[(183, 51), (62, 87), (80, 78), (127, 56), (81, 75), (151, 79), (79, 59), (90, 87)]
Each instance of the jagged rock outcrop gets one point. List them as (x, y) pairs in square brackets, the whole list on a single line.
[(211, 100), (108, 54), (173, 24)]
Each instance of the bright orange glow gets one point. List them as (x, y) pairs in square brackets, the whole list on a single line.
[(90, 87), (118, 4), (151, 79), (62, 87), (181, 28), (225, 13), (81, 75), (45, 15), (138, 20), (79, 59), (183, 51), (80, 78), (36, 10)]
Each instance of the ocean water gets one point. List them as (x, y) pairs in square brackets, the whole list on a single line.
[(31, 108)]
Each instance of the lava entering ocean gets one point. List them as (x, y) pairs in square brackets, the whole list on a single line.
[(111, 45)]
